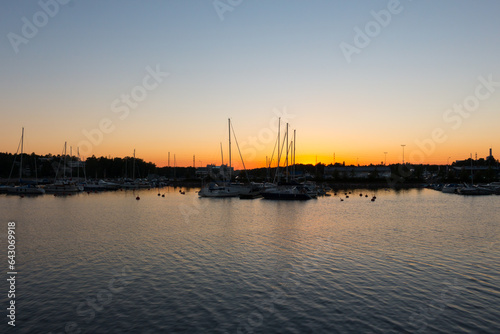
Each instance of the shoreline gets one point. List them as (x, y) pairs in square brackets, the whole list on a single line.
[(198, 183)]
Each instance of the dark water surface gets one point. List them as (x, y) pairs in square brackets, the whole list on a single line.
[(412, 261)]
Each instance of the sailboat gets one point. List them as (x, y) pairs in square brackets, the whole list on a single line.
[(474, 189), (24, 189), (225, 188), (288, 190), (63, 186), (135, 183)]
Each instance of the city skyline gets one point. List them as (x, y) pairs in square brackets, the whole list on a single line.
[(356, 80)]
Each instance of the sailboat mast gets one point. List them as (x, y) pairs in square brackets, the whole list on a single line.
[(85, 173), (64, 165), (78, 169), (471, 171), (229, 128), (71, 161), (268, 165), (294, 141), (287, 149), (279, 149), (221, 154), (133, 167), (21, 163)]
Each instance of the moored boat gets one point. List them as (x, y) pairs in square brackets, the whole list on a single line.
[(108, 185), (251, 195), (24, 188), (136, 184), (224, 190), (493, 186), (287, 193), (451, 188), (475, 190), (93, 186), (63, 187)]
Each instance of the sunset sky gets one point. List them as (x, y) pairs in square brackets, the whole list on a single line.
[(354, 78)]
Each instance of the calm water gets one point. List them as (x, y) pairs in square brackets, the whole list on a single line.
[(412, 261)]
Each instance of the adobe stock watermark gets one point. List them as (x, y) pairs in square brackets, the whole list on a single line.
[(290, 282), (436, 307), (453, 116), (121, 107), (223, 6), (96, 302), (373, 28), (196, 207), (30, 27)]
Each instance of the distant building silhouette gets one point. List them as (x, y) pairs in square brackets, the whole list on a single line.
[(362, 172), (222, 171)]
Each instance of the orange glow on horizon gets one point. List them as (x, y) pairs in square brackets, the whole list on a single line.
[(201, 160), (311, 149)]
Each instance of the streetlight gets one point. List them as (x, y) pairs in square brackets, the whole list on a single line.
[(403, 146), (385, 158)]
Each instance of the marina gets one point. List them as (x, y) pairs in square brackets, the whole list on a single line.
[(245, 167)]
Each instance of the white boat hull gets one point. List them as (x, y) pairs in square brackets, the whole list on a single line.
[(23, 190), (62, 188), (223, 191), (476, 191)]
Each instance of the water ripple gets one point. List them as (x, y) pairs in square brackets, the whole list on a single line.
[(411, 261)]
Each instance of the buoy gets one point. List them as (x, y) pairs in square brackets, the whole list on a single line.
[(341, 199), (360, 195), (137, 198), (346, 196), (163, 195), (158, 194), (22, 196), (373, 199), (366, 195)]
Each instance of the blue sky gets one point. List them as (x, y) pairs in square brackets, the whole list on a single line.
[(264, 55)]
